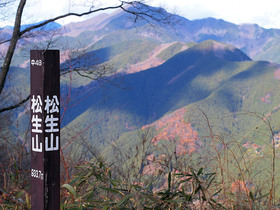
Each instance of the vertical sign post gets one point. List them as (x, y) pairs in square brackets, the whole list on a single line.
[(45, 129)]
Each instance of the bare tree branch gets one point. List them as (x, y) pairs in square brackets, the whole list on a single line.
[(15, 37), (17, 34), (138, 9), (15, 106), (5, 3), (67, 15)]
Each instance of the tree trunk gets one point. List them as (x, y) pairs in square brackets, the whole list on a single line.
[(12, 46)]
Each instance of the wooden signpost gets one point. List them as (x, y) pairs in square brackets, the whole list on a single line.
[(45, 129)]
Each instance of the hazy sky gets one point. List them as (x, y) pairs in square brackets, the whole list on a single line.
[(266, 13)]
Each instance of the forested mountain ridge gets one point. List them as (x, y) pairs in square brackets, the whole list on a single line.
[(257, 42), (106, 30), (212, 75), (176, 62)]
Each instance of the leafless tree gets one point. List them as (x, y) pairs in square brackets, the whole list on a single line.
[(137, 9)]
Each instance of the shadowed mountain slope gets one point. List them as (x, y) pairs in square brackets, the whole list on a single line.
[(199, 73)]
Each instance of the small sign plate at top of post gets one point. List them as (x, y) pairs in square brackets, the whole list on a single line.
[(45, 129)]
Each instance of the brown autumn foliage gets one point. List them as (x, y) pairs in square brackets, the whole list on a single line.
[(173, 127)]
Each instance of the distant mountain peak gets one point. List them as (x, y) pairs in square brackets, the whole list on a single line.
[(212, 44), (48, 27), (221, 50)]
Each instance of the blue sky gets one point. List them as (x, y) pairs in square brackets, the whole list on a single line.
[(264, 13)]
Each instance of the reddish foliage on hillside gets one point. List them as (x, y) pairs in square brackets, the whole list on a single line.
[(267, 98), (149, 63), (277, 74), (174, 128)]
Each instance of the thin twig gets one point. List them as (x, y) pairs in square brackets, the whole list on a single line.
[(15, 105)]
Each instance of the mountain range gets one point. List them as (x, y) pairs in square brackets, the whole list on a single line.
[(161, 74), (257, 42)]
